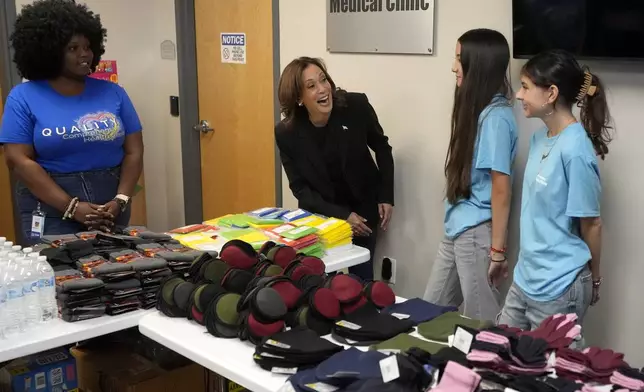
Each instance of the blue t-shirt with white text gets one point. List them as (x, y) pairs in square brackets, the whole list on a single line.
[(561, 184), (70, 133), (495, 149)]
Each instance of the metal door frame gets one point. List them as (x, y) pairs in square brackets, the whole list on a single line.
[(189, 104)]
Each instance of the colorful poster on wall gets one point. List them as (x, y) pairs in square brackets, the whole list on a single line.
[(106, 70)]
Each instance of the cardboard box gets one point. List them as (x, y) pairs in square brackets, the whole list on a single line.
[(217, 383), (51, 371), (105, 370)]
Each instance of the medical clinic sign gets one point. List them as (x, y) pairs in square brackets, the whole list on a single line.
[(380, 26)]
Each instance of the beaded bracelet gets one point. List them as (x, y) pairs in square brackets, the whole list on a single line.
[(71, 209), (502, 251)]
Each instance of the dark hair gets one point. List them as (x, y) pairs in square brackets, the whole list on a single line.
[(485, 56), (576, 86), (289, 90), (43, 30)]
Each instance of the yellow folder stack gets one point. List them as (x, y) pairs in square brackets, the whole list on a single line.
[(334, 233)]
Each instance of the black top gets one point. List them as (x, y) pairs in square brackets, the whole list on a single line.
[(330, 169), (328, 142)]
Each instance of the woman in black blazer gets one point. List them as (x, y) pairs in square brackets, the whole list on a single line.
[(324, 142)]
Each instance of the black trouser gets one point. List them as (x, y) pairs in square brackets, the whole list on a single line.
[(370, 212)]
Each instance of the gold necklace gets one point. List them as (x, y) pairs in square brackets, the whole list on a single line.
[(545, 155)]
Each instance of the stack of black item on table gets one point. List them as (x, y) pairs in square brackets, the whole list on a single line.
[(121, 286), (116, 273), (297, 348), (78, 298), (179, 257)]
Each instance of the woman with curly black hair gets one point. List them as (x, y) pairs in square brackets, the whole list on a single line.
[(74, 142)]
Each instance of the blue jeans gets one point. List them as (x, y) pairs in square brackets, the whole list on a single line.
[(460, 274), (98, 187), (522, 312)]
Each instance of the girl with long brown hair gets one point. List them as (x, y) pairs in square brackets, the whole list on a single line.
[(471, 259)]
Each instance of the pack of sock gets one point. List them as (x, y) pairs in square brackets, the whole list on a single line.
[(592, 364), (629, 378), (297, 348)]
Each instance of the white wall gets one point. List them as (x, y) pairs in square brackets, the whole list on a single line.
[(413, 98), (135, 30)]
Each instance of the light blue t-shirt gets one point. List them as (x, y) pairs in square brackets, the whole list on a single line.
[(561, 184), (70, 134), (495, 149)]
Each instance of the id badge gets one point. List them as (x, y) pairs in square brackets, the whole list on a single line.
[(37, 224)]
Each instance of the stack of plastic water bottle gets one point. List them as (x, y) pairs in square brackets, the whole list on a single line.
[(27, 290)]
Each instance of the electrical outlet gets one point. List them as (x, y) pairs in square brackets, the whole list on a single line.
[(388, 261), (393, 271)]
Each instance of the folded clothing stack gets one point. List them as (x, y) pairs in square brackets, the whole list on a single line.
[(592, 364), (122, 296), (293, 350), (65, 249), (78, 298), (146, 234), (513, 351), (129, 279), (150, 272), (404, 342), (499, 350), (494, 381), (418, 310), (179, 258), (355, 370), (458, 378), (440, 328), (367, 326), (629, 378)]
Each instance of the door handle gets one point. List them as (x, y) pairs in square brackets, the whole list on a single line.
[(203, 127)]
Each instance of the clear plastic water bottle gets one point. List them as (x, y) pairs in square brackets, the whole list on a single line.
[(30, 291), (11, 259), (14, 315), (27, 250), (2, 241), (7, 245), (16, 248), (46, 290), (3, 296)]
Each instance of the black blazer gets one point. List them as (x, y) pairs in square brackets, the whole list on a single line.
[(360, 131)]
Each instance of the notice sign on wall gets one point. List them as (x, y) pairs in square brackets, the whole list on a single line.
[(106, 70), (233, 48), (380, 26)]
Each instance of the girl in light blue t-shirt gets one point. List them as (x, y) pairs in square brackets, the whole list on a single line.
[(558, 266), (471, 260)]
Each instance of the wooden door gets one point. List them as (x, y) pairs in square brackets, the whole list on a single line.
[(238, 157), (7, 228)]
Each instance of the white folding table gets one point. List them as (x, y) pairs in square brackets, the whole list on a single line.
[(230, 358), (59, 333)]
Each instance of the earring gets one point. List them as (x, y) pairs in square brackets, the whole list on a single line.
[(549, 113), (299, 103)]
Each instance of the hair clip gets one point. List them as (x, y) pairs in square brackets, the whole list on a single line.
[(588, 88)]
